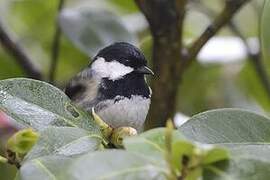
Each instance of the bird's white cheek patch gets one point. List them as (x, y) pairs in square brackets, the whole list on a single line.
[(112, 70)]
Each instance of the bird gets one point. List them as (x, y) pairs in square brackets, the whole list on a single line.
[(115, 85)]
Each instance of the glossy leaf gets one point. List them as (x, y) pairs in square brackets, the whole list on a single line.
[(92, 29), (150, 143), (247, 162), (37, 104), (114, 164), (67, 141), (226, 126)]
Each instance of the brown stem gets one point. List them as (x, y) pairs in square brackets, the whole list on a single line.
[(13, 159), (20, 56), (55, 46), (165, 19)]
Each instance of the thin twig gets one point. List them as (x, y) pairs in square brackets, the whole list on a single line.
[(254, 57), (20, 56), (231, 7), (55, 46)]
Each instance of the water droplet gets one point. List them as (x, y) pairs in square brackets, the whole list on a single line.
[(3, 95), (72, 110)]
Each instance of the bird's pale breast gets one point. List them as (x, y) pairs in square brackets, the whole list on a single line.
[(125, 111)]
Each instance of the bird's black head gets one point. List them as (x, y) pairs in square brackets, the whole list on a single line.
[(118, 60), (124, 53), (122, 68)]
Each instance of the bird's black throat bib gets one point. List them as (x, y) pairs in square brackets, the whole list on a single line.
[(130, 84)]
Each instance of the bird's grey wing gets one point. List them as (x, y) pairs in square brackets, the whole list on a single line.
[(83, 89)]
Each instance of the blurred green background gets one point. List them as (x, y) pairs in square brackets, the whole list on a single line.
[(223, 76)]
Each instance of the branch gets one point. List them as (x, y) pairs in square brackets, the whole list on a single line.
[(20, 56), (231, 7), (254, 57), (55, 46), (164, 17)]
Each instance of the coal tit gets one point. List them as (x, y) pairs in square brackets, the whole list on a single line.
[(114, 84)]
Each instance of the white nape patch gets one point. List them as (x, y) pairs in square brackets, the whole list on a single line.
[(125, 112), (112, 70)]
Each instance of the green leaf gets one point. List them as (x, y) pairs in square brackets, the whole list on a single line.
[(265, 31), (92, 29), (247, 162), (37, 104), (243, 133), (113, 164), (192, 158), (214, 155), (65, 141), (180, 150), (227, 125), (150, 143)]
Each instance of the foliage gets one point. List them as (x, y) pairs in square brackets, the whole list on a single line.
[(219, 144), (223, 144)]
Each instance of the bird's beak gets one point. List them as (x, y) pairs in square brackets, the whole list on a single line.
[(144, 70)]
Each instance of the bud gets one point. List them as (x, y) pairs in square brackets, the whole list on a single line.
[(22, 141)]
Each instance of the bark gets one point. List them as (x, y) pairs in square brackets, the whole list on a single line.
[(165, 20)]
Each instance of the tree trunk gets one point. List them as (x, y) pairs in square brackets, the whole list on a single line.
[(165, 20), (164, 84)]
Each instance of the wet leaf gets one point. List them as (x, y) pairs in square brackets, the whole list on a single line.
[(114, 164), (38, 105), (226, 126), (244, 134), (67, 141)]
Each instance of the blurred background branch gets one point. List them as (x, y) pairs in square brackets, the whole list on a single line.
[(231, 7), (254, 55), (55, 45), (20, 56)]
